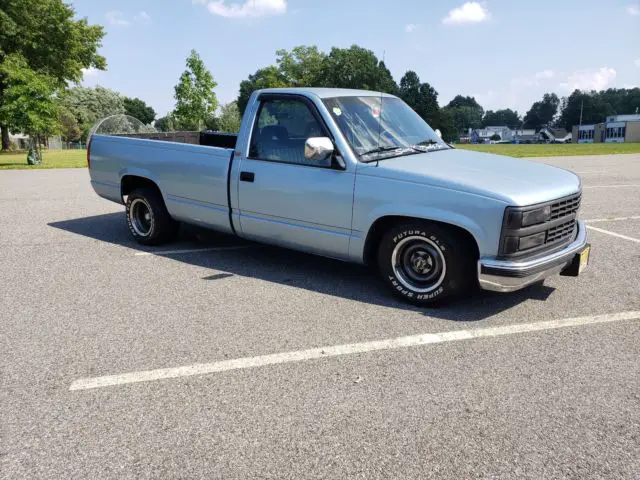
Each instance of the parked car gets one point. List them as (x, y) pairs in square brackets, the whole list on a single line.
[(357, 176)]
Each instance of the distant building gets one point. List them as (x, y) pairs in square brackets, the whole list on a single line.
[(616, 129), (556, 135), (20, 140), (485, 134), (525, 135)]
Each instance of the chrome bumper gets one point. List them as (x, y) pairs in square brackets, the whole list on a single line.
[(508, 276)]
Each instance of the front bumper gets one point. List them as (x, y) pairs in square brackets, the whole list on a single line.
[(509, 275)]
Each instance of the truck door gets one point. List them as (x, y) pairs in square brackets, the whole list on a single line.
[(284, 198)]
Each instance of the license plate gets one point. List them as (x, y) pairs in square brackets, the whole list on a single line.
[(584, 259)]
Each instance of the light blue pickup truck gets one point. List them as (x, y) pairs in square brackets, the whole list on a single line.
[(358, 176)]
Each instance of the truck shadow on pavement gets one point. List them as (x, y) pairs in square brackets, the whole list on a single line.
[(287, 267)]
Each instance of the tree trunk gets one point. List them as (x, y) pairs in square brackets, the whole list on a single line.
[(5, 138)]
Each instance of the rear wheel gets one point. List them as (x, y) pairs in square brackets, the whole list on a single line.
[(426, 264), (148, 219)]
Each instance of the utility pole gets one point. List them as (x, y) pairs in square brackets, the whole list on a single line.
[(581, 106)]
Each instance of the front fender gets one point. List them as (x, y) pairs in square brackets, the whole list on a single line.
[(429, 213)]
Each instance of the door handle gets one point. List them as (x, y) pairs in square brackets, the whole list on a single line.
[(247, 176)]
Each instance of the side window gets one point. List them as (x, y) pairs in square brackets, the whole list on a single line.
[(281, 130)]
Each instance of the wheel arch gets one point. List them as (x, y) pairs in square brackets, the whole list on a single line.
[(129, 182), (382, 224)]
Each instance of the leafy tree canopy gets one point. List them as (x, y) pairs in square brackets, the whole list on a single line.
[(501, 117), (139, 109), (51, 42), (421, 97), (165, 124), (268, 77), (195, 98), (352, 67), (29, 99), (542, 112), (88, 105), (596, 106)]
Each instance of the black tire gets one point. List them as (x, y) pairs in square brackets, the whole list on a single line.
[(426, 264), (148, 219)]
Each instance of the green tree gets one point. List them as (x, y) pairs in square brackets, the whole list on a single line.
[(421, 97), (542, 112), (356, 67), (165, 124), (410, 89), (462, 101), (52, 43), (69, 128), (229, 119), (268, 77), (501, 117), (447, 126), (466, 113), (495, 137), (88, 105), (140, 110), (303, 66), (596, 106), (195, 98), (29, 99)]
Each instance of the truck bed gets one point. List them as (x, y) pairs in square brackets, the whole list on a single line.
[(206, 138), (193, 178)]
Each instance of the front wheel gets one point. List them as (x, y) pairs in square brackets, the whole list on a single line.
[(426, 264)]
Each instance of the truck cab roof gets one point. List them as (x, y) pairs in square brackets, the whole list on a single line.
[(326, 92)]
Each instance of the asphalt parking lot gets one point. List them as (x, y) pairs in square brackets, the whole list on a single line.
[(221, 359)]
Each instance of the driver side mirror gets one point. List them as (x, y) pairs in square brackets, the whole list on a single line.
[(318, 148)]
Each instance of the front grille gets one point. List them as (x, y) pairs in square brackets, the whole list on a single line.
[(564, 231), (559, 230), (566, 206)]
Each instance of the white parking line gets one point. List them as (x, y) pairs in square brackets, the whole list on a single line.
[(614, 234), (628, 185), (339, 350), (189, 250), (612, 219)]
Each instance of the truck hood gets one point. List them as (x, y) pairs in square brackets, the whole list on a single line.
[(511, 180)]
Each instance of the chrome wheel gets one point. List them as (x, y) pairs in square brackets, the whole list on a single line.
[(418, 263), (141, 217)]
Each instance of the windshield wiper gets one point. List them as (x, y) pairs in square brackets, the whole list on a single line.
[(397, 148), (427, 142), (428, 146), (400, 149)]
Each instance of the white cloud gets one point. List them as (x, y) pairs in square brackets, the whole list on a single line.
[(410, 28), (117, 18), (545, 74), (589, 79), (637, 62), (532, 80), (89, 72), (469, 12), (143, 17), (633, 9), (248, 8)]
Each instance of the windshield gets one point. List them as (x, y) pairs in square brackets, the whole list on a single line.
[(377, 127)]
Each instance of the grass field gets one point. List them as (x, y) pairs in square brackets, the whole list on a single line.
[(78, 158), (554, 150), (50, 159)]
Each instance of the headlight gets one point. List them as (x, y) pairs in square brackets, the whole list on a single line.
[(524, 218), (531, 241)]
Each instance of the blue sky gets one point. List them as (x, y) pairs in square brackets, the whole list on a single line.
[(505, 53)]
